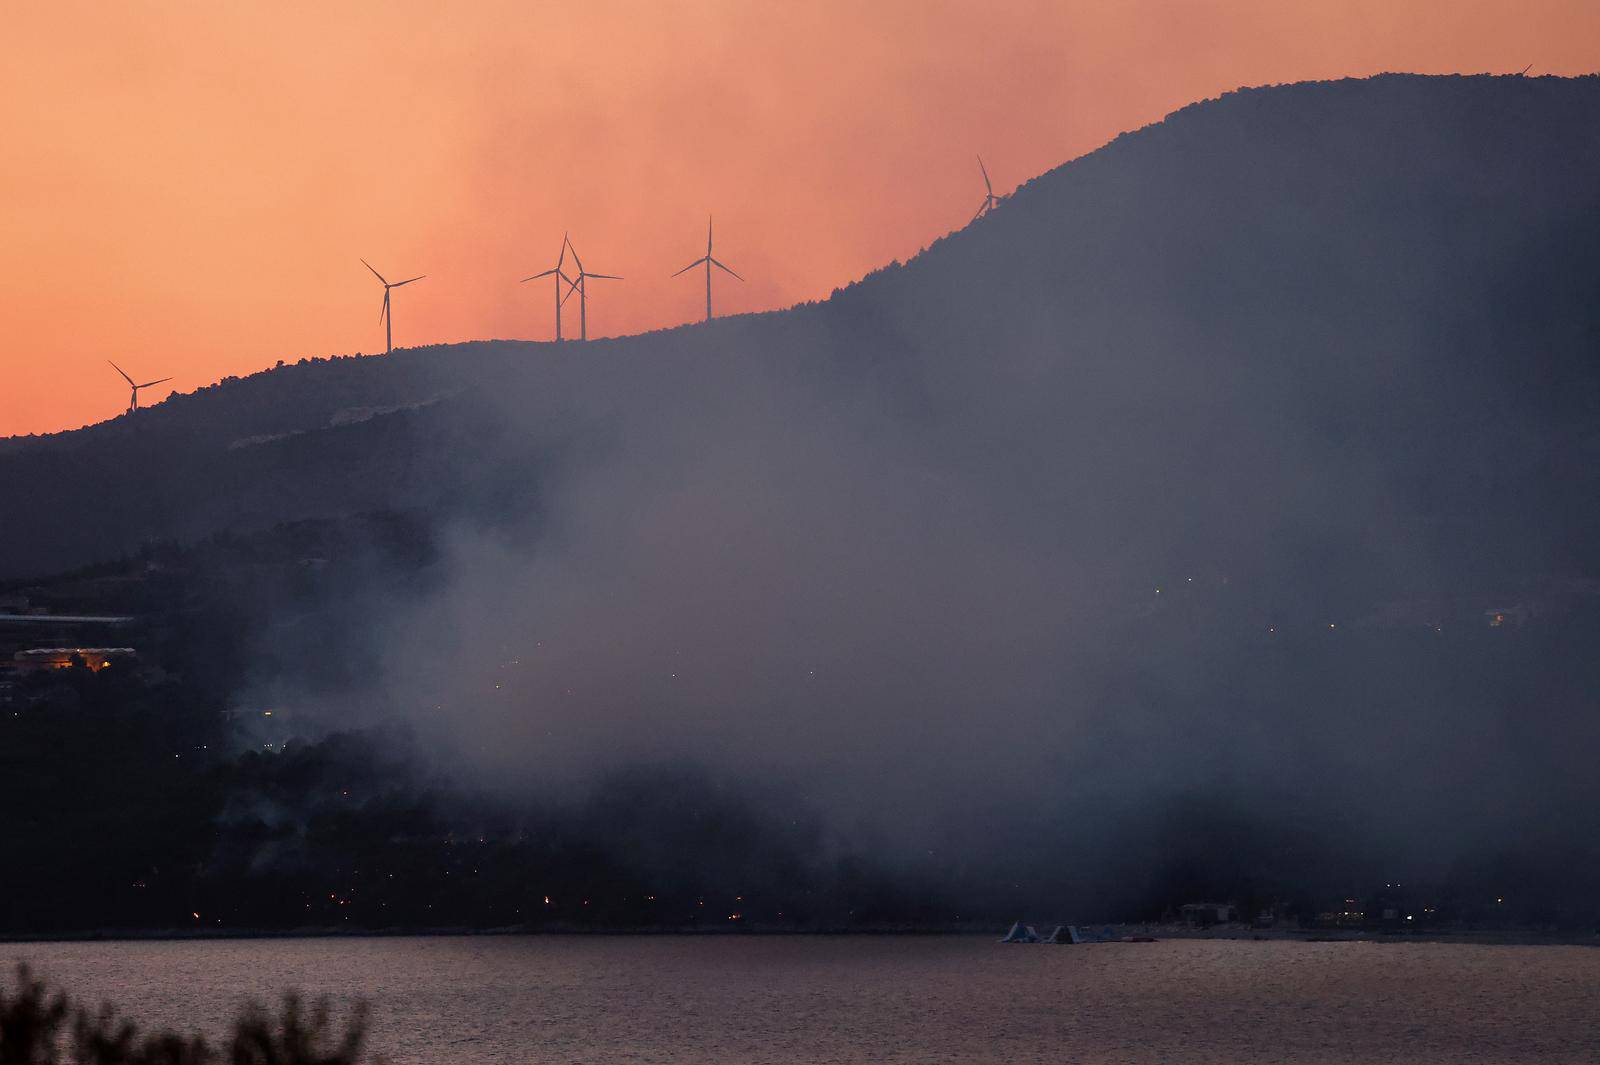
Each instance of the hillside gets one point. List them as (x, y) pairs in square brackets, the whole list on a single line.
[(1313, 294), (1250, 464)]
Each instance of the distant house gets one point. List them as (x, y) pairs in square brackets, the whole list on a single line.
[(43, 659), (34, 642), (1205, 914), (1346, 912)]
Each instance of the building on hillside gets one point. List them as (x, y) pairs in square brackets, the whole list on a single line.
[(1205, 914), (44, 659), (42, 632)]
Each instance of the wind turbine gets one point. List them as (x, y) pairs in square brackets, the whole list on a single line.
[(388, 312), (709, 263), (560, 276), (990, 200), (582, 290), (133, 401)]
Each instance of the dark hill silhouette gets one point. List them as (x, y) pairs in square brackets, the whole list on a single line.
[(1249, 462), (1286, 298), (1403, 270)]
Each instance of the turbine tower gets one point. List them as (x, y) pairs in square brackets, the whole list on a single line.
[(560, 276), (387, 314), (133, 401), (579, 286), (709, 262), (990, 200)]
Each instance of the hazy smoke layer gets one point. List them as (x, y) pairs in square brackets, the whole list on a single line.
[(1191, 479)]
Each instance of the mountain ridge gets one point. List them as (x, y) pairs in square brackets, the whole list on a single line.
[(1232, 227)]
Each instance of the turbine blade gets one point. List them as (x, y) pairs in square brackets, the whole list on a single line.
[(721, 266), (708, 236), (117, 368), (408, 280), (982, 210), (985, 176), (536, 277), (562, 260), (385, 309), (692, 265), (575, 257), (150, 384), (374, 272), (608, 277)]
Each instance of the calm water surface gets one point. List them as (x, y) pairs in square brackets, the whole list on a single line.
[(464, 1001)]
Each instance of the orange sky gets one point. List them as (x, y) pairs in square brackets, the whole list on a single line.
[(186, 187)]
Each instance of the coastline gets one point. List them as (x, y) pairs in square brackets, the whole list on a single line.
[(1157, 932), (1500, 937)]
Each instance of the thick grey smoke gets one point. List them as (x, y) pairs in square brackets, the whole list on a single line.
[(1199, 469), (781, 581)]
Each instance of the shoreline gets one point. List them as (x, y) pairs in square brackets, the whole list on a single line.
[(1502, 937), (1157, 932)]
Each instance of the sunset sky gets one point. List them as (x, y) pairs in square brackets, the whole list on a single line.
[(186, 187)]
